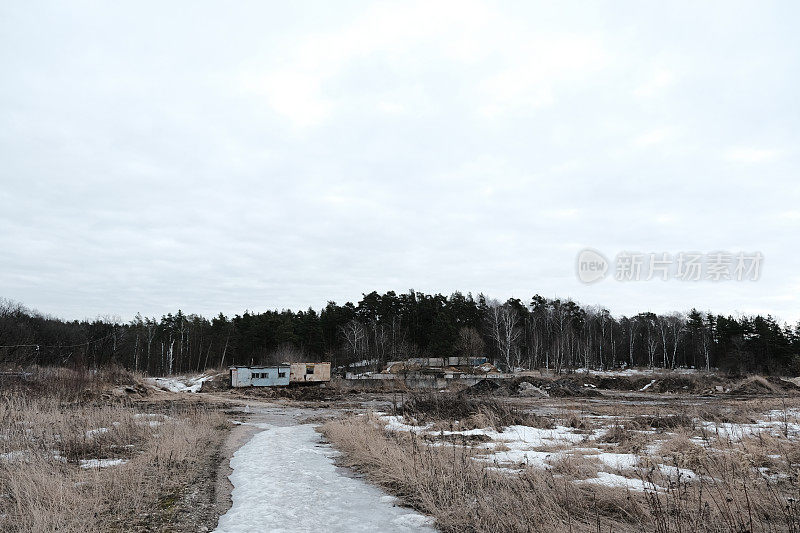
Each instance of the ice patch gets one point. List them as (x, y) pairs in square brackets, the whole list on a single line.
[(285, 480)]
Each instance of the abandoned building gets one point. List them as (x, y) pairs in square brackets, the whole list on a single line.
[(260, 376), (310, 372), (279, 375)]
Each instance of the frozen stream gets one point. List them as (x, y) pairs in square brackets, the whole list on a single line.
[(284, 479)]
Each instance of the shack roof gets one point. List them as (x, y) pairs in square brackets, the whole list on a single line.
[(282, 365)]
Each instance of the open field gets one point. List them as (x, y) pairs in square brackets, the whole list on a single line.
[(632, 451), (605, 461)]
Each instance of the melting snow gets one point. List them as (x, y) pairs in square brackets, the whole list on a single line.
[(736, 432), (673, 472), (652, 381), (180, 383), (93, 432), (14, 455), (396, 423), (620, 461), (101, 463), (284, 480), (528, 436), (617, 481)]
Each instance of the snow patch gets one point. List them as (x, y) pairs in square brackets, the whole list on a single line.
[(620, 461), (616, 481), (15, 455), (180, 383), (101, 463), (397, 423), (736, 432), (652, 382)]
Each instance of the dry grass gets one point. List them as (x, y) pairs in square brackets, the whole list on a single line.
[(750, 484), (45, 438), (627, 440), (468, 412), (680, 451), (67, 384), (467, 495)]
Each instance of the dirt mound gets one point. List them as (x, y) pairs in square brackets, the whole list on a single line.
[(530, 386), (475, 412), (487, 386), (219, 381), (677, 384), (302, 393), (69, 384), (532, 391), (566, 387), (787, 385), (756, 385), (127, 391)]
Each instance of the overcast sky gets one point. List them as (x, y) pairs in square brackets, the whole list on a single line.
[(253, 155)]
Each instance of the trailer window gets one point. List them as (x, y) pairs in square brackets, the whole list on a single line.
[(281, 374)]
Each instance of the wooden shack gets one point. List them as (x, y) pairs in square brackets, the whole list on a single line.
[(310, 372)]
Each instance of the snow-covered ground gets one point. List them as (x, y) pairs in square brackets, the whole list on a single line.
[(524, 446), (532, 447), (735, 432), (285, 479), (180, 383), (637, 372)]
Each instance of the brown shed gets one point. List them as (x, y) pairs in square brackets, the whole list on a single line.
[(309, 372)]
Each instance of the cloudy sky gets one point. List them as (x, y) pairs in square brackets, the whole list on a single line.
[(216, 156)]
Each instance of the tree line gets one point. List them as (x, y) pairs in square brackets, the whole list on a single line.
[(541, 333)]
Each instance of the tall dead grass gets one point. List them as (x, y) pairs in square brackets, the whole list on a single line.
[(47, 441), (468, 495), (66, 384), (469, 412)]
